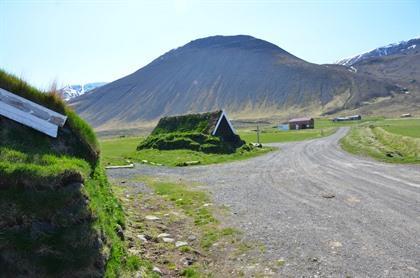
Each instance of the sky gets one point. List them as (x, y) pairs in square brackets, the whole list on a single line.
[(76, 42)]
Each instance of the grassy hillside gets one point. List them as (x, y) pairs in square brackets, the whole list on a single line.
[(58, 215)]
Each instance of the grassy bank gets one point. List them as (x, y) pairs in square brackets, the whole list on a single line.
[(376, 142), (119, 151), (59, 215)]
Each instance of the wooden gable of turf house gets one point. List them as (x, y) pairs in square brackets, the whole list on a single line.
[(30, 114), (212, 123)]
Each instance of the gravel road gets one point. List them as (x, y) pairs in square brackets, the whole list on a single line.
[(325, 212)]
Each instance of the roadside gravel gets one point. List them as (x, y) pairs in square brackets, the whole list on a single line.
[(325, 212)]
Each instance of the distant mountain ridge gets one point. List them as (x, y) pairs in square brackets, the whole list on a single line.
[(246, 76), (71, 91), (397, 63), (391, 49)]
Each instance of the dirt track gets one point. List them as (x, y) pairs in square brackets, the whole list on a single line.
[(370, 228)]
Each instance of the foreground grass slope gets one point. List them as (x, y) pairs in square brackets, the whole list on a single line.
[(378, 142), (58, 214)]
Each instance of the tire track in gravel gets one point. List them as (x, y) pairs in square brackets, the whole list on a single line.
[(371, 228)]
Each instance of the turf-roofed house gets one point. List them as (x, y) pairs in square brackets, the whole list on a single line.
[(210, 132)]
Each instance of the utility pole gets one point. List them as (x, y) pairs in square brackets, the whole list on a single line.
[(258, 134)]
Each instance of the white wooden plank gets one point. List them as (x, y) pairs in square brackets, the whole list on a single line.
[(32, 108), (27, 119)]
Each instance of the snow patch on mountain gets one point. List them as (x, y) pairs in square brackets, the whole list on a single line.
[(69, 92), (387, 50)]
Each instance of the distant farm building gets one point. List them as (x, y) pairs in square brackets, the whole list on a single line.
[(207, 132), (347, 118), (301, 123), (30, 114)]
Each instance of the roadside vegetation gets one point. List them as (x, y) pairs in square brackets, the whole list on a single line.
[(176, 229), (58, 212), (390, 140)]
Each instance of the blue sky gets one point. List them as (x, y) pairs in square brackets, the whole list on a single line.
[(88, 41)]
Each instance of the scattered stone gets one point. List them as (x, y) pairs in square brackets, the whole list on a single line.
[(151, 217), (335, 244), (328, 195), (163, 235), (192, 237), (194, 162), (181, 243), (187, 261), (206, 205), (144, 161), (120, 166), (168, 239), (157, 270), (142, 238)]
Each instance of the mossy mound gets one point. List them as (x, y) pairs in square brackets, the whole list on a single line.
[(191, 141), (58, 215)]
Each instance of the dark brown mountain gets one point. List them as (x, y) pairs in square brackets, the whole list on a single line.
[(247, 77)]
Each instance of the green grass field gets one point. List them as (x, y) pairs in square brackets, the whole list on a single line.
[(405, 127), (119, 151), (323, 127), (273, 135), (389, 140), (325, 123)]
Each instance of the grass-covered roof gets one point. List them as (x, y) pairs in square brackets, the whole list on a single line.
[(199, 123)]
